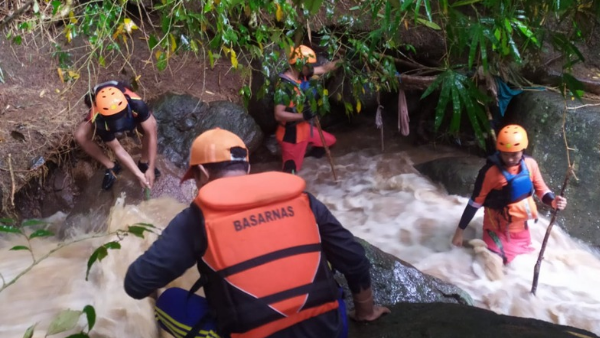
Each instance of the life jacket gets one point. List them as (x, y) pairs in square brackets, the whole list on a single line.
[(293, 132), (264, 267), (123, 123), (507, 201)]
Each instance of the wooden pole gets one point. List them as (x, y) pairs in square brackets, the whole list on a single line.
[(318, 124), (536, 271)]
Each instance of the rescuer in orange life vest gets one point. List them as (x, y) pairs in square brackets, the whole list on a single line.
[(114, 107), (295, 131), (261, 245), (505, 188)]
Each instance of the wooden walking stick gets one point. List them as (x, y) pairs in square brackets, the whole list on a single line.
[(536, 271), (318, 124)]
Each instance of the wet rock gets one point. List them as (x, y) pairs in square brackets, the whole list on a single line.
[(394, 281), (457, 173), (439, 320), (541, 114), (181, 118), (59, 193)]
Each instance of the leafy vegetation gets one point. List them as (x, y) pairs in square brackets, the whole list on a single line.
[(67, 319), (478, 36)]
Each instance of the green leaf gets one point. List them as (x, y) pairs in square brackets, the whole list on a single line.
[(6, 228), (90, 313), (6, 221), (99, 254), (464, 3), (137, 231), (193, 46), (161, 64), (433, 86), (473, 47), (313, 6), (29, 331), (17, 40), (428, 9), (574, 85), (526, 31), (55, 4), (41, 233), (484, 58), (445, 80), (65, 321), (165, 24), (152, 41), (78, 335), (456, 107), (147, 225), (32, 222), (211, 59), (19, 247), (514, 49), (429, 24), (406, 5)]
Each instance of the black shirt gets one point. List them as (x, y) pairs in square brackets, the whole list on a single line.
[(140, 113)]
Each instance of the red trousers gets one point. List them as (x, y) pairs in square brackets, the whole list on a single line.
[(295, 151), (516, 243)]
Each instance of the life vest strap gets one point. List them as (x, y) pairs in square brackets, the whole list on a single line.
[(266, 258), (297, 291), (270, 328), (498, 242)]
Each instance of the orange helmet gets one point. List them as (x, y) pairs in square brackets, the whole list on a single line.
[(512, 139), (303, 53), (214, 146), (110, 101)]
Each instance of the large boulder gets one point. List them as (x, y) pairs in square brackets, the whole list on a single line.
[(456, 173), (541, 114), (394, 281), (182, 117), (438, 320)]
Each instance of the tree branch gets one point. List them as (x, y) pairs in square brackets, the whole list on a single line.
[(16, 14)]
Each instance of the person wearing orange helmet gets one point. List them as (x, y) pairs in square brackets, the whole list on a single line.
[(295, 131), (505, 187), (114, 108), (262, 246)]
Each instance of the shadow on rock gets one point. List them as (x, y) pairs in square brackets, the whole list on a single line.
[(443, 320)]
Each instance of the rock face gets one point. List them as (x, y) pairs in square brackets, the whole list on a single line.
[(456, 174), (425, 306), (394, 281), (443, 320), (181, 118), (541, 114)]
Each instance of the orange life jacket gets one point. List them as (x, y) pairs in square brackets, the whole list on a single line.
[(264, 265), (302, 128), (511, 217)]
